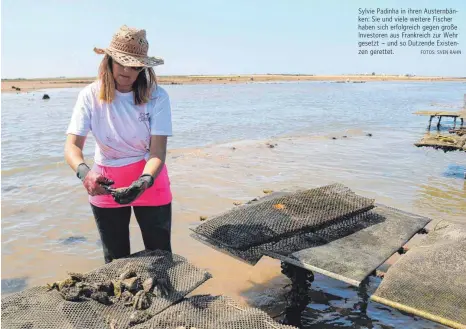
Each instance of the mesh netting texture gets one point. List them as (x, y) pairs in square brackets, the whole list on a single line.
[(367, 239), (212, 312), (430, 279), (352, 252), (275, 218), (300, 241), (252, 255), (121, 291)]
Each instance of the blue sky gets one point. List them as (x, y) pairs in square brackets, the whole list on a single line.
[(51, 38)]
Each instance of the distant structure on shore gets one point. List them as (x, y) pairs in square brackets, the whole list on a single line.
[(454, 140)]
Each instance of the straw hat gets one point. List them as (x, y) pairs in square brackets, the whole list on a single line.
[(129, 47)]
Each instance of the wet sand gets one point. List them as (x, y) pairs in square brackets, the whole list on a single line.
[(27, 85)]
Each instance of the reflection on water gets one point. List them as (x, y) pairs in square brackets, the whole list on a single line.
[(455, 171), (337, 305), (13, 285)]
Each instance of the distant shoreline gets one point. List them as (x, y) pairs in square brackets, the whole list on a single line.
[(26, 85)]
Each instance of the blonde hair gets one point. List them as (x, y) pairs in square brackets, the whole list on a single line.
[(142, 86)]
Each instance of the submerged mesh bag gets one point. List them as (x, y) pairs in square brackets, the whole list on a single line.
[(275, 218), (40, 307), (430, 279)]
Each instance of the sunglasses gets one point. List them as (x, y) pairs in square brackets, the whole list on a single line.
[(135, 68), (132, 68)]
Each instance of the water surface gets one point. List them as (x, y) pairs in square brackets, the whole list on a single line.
[(361, 135)]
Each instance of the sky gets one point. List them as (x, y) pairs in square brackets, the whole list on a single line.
[(53, 38)]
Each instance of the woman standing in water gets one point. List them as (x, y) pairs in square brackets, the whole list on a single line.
[(129, 116)]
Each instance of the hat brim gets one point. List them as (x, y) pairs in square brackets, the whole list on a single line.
[(130, 60)]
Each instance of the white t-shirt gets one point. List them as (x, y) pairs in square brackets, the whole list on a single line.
[(122, 130)]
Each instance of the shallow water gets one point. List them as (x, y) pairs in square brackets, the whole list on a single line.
[(47, 225)]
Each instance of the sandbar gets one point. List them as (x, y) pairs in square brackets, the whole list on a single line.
[(27, 85)]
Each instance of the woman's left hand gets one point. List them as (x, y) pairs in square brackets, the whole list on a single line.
[(129, 194)]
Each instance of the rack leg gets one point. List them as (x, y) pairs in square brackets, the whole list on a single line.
[(438, 124), (363, 296), (430, 121), (298, 297)]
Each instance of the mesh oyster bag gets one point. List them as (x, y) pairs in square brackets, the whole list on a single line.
[(430, 280), (285, 215), (42, 307)]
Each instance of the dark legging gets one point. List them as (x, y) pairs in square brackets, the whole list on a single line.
[(113, 226)]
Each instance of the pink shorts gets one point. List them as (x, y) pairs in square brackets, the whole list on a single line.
[(158, 194)]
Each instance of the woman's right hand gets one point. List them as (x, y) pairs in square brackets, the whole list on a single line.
[(95, 182)]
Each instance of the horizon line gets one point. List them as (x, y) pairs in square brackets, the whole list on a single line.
[(253, 74)]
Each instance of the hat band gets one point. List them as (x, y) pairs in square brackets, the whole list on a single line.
[(126, 53)]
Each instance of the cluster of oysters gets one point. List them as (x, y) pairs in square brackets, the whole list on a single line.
[(128, 288)]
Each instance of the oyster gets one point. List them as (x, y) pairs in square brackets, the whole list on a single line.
[(117, 288), (85, 289), (52, 286), (129, 273), (141, 300), (74, 288), (60, 285), (77, 277), (101, 297), (127, 298), (148, 284), (132, 284), (66, 284), (71, 294), (106, 287)]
